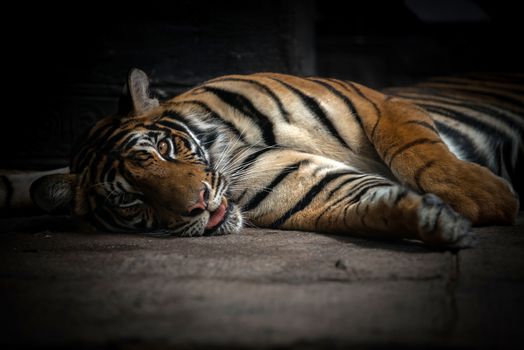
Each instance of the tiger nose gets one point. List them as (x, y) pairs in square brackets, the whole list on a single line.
[(201, 204)]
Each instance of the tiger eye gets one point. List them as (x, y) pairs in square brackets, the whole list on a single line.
[(163, 147)]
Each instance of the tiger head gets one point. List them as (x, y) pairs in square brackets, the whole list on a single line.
[(145, 172)]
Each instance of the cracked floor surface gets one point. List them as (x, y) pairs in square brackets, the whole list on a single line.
[(257, 289)]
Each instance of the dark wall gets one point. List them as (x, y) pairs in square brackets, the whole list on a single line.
[(65, 67), (395, 42)]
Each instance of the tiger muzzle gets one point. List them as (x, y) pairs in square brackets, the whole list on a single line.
[(176, 188)]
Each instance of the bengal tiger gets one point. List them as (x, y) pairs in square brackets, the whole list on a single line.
[(286, 152)]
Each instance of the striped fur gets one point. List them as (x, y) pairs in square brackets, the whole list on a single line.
[(315, 154), (478, 116)]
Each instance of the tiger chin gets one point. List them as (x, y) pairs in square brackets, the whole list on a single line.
[(293, 153)]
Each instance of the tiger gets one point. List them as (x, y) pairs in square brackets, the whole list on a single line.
[(271, 150)]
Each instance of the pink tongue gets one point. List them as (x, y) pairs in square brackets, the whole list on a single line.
[(216, 216)]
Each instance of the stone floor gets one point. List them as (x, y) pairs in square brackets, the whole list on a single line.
[(257, 290)]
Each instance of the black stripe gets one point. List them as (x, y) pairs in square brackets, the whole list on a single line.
[(186, 141), (466, 119), (87, 145), (172, 122), (241, 197), (260, 196), (208, 139), (423, 124), (200, 153), (420, 171), (215, 116), (107, 218), (344, 183), (248, 162), (139, 156), (130, 144), (205, 136), (187, 123), (316, 110), (88, 157), (422, 141), (360, 185), (120, 187), (124, 172), (94, 175), (493, 94), (344, 98), (355, 197), (373, 104), (306, 199), (331, 206), (512, 79), (464, 142), (482, 83), (283, 112), (357, 90), (110, 144), (212, 180), (363, 216), (498, 113), (401, 194), (490, 111), (103, 131), (244, 105)]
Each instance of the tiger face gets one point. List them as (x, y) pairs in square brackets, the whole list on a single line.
[(154, 176), (146, 172)]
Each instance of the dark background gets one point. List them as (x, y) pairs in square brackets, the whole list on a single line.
[(64, 67)]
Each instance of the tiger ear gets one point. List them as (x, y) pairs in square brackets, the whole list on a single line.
[(135, 98), (54, 193)]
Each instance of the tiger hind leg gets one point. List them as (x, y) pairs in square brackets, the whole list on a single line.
[(407, 140)]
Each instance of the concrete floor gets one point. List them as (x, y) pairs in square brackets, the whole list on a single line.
[(259, 289)]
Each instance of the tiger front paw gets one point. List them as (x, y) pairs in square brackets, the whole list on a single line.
[(438, 224), (477, 194)]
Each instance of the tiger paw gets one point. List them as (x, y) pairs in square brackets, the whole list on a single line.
[(438, 224), (476, 193)]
